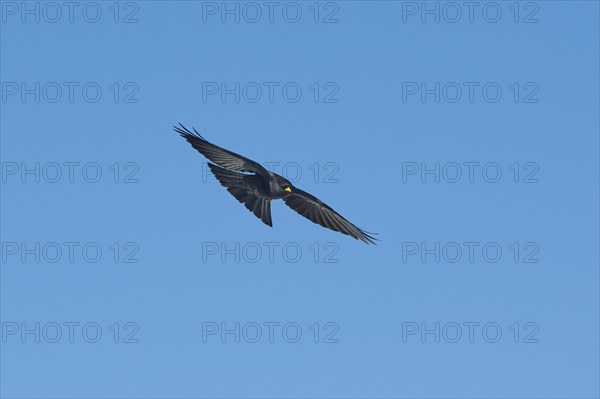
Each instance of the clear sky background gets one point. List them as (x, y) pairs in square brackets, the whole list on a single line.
[(466, 138)]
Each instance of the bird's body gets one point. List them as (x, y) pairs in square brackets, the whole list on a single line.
[(255, 187)]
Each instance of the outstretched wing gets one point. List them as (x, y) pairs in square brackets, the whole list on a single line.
[(222, 157), (319, 212), (237, 184)]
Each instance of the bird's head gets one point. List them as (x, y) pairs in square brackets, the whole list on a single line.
[(283, 185)]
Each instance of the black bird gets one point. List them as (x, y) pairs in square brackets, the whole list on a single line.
[(257, 187)]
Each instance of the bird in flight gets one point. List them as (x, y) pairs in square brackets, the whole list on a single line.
[(254, 186)]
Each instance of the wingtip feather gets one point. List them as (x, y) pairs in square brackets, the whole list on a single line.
[(187, 133)]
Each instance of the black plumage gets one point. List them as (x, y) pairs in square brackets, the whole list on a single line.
[(254, 186)]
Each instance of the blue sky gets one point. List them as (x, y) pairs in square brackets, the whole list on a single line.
[(467, 138)]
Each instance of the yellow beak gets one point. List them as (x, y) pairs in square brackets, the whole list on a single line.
[(289, 190)]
